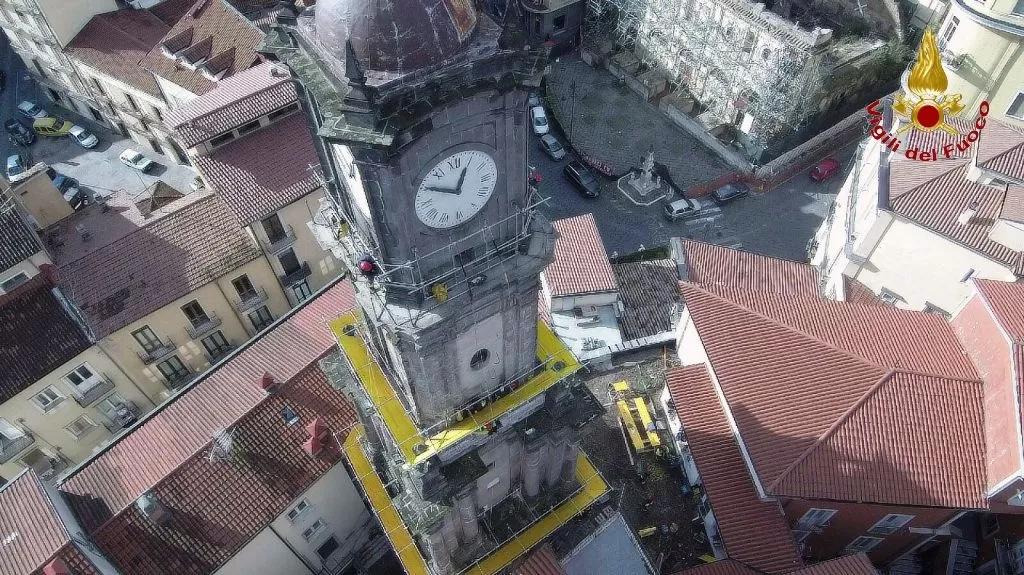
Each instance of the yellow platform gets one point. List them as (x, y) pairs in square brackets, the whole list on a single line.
[(550, 351), (635, 417), (592, 485)]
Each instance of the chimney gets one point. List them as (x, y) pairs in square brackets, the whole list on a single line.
[(318, 436), (968, 214), (56, 567), (267, 383)]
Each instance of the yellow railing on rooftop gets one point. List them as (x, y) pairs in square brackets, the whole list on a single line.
[(592, 487), (550, 352)]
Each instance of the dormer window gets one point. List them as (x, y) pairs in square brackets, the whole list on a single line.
[(191, 65), (210, 75), (167, 52)]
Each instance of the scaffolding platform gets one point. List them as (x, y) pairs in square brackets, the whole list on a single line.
[(635, 418), (557, 363), (592, 488)]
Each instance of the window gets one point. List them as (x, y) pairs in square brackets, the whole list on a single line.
[(298, 510), (970, 274), (244, 287), (222, 139), (748, 41), (8, 434), (313, 529), (99, 87), (289, 415), (173, 369), (283, 111), (889, 297), (950, 30), (801, 536), (274, 229), (10, 283), (112, 405), (246, 128), (890, 524), (147, 339), (1016, 108), (156, 112), (936, 309), (479, 359), (559, 23), (327, 548), (47, 399), (1018, 9), (301, 291), (195, 314), (863, 543), (289, 263), (80, 427), (261, 318), (815, 518), (131, 102), (82, 378), (216, 344)]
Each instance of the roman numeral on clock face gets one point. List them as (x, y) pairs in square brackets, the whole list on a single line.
[(455, 163)]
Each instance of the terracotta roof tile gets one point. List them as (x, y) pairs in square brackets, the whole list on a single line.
[(710, 264), (856, 564), (157, 264), (856, 292), (1013, 204), (767, 352), (236, 100), (1006, 300), (170, 11), (17, 241), (1001, 149), (211, 27), (721, 567), (173, 435), (753, 531), (32, 529), (254, 183), (581, 263), (542, 561), (939, 202), (114, 43), (649, 291), (928, 141), (37, 335)]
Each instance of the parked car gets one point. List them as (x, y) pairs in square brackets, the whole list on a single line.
[(584, 180), (30, 110), (552, 147), (134, 159), (533, 100), (71, 191), (18, 133), (825, 169), (729, 192), (52, 127), (539, 119), (16, 168), (680, 209), (84, 138)]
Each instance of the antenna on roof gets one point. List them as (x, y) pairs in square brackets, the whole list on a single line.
[(223, 447), (968, 214)]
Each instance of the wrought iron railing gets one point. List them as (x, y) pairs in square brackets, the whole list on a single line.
[(202, 326), (91, 395), (125, 414), (11, 447), (287, 238), (297, 275), (164, 348), (250, 300)]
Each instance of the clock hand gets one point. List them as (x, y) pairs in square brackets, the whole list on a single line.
[(443, 190), (462, 178)]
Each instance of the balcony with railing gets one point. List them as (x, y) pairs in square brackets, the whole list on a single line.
[(281, 241), (295, 276), (203, 325), (215, 355), (250, 300), (91, 391), (160, 350), (125, 414), (9, 447), (178, 380)]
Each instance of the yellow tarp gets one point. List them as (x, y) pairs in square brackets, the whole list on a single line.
[(645, 420), (640, 433), (592, 488), (627, 420), (550, 352)]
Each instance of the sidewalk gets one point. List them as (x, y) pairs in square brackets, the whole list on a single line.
[(616, 126)]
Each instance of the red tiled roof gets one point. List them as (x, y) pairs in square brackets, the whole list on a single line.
[(255, 183), (541, 561), (812, 431), (37, 335), (157, 263), (928, 141), (753, 531), (210, 28), (32, 530), (856, 564), (236, 100), (709, 264), (721, 567), (1006, 300), (170, 11), (581, 263), (1013, 204), (17, 241), (175, 434), (856, 292), (114, 43), (936, 197), (1001, 149)]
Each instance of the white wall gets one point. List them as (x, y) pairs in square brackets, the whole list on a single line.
[(266, 553), (688, 345), (569, 302), (68, 18), (176, 95)]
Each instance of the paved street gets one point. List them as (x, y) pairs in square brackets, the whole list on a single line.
[(98, 170), (777, 223)]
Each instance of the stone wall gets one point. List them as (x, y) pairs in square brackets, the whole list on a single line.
[(692, 127)]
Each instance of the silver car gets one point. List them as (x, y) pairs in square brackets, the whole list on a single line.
[(680, 209)]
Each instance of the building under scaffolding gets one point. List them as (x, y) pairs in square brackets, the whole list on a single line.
[(731, 62), (468, 451)]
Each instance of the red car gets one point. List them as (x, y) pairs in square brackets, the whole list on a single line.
[(825, 169)]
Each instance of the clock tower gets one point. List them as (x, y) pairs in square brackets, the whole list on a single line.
[(469, 404)]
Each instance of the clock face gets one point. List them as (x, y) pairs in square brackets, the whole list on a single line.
[(456, 189)]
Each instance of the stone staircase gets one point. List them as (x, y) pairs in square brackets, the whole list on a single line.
[(962, 556)]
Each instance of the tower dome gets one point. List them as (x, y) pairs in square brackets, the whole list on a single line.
[(395, 35)]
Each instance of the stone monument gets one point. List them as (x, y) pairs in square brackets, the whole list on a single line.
[(643, 187)]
